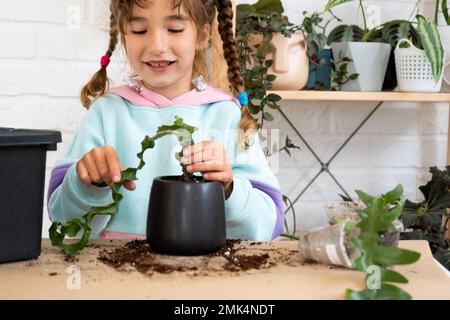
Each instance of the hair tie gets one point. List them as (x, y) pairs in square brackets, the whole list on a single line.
[(104, 62), (243, 99)]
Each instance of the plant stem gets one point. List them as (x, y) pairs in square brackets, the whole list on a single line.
[(417, 6), (436, 12), (289, 236), (363, 14)]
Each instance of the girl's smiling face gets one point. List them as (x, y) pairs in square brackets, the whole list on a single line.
[(161, 42)]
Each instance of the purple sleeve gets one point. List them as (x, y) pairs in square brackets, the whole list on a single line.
[(56, 178), (277, 198)]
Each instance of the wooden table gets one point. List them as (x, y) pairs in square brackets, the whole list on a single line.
[(51, 277)]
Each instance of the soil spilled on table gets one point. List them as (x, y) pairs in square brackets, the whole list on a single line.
[(233, 257)]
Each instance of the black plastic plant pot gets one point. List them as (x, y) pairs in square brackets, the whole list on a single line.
[(186, 218), (22, 169)]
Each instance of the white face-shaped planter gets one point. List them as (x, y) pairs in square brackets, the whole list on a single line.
[(290, 61)]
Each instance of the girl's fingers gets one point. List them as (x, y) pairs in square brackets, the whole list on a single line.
[(114, 165), (101, 163), (217, 176), (129, 185), (91, 167), (82, 173), (208, 154), (208, 166), (190, 150)]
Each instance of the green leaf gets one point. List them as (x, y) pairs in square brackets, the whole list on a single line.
[(345, 33), (386, 292), (432, 44), (268, 116), (365, 198), (390, 255), (445, 12), (395, 30), (272, 97), (392, 276), (333, 3)]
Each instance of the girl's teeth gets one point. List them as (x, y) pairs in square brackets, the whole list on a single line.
[(161, 64)]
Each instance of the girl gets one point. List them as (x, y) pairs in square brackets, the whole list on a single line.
[(165, 42)]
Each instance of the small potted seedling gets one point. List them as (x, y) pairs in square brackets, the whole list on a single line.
[(332, 244), (186, 214), (365, 244)]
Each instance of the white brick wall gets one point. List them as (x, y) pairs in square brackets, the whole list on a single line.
[(50, 48)]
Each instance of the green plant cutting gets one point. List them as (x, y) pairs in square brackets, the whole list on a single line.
[(377, 260), (59, 230)]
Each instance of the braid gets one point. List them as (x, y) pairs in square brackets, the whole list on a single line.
[(99, 82), (225, 18), (247, 124)]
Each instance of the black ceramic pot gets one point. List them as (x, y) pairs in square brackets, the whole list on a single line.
[(186, 218)]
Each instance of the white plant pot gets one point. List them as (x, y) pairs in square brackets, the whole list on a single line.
[(414, 72), (370, 60), (444, 33)]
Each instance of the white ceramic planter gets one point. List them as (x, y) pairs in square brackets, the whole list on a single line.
[(370, 60)]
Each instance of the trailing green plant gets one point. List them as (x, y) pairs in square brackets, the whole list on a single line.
[(59, 230), (340, 74), (264, 18), (315, 31), (314, 28), (377, 260), (428, 219)]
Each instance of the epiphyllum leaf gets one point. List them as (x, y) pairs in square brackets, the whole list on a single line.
[(59, 230)]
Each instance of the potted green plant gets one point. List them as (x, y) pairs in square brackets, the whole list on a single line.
[(368, 55), (364, 243), (186, 214), (22, 167), (269, 40), (429, 220), (319, 53), (421, 70)]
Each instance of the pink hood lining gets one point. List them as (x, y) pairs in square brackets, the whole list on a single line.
[(150, 98)]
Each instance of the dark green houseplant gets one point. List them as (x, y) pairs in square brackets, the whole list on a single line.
[(428, 220)]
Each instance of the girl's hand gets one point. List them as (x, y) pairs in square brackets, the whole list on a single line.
[(101, 164), (211, 159)]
